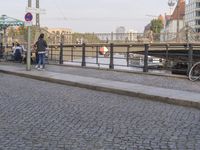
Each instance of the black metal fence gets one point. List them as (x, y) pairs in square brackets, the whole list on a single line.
[(174, 58)]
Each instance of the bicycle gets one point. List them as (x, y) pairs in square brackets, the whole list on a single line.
[(194, 73)]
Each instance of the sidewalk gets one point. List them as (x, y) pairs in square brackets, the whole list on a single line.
[(173, 90)]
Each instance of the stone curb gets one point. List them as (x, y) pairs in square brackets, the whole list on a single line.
[(168, 100)]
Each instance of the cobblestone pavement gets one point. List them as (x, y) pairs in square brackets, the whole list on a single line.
[(45, 116)]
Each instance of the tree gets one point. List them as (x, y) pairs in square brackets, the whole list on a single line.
[(156, 25)]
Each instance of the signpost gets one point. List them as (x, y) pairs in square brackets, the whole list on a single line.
[(28, 18)]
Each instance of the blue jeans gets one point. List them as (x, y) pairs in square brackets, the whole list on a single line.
[(41, 61)]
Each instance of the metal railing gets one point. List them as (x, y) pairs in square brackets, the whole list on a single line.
[(171, 57)]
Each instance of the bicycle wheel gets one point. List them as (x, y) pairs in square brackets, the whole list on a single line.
[(194, 73)]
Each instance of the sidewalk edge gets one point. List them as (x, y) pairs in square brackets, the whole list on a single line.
[(167, 100)]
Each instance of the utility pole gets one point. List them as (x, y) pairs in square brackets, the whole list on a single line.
[(28, 53), (37, 14), (30, 3), (177, 32), (37, 11)]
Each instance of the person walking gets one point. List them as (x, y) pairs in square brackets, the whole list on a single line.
[(41, 48)]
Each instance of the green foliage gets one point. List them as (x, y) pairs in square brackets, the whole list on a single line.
[(21, 33), (156, 25)]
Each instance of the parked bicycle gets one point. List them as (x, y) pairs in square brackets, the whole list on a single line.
[(194, 73)]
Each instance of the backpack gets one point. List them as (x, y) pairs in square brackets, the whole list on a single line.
[(18, 54), (18, 51)]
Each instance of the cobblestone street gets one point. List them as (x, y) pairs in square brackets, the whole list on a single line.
[(45, 116)]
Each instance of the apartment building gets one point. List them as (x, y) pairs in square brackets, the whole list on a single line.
[(174, 23), (57, 32), (120, 33), (192, 14)]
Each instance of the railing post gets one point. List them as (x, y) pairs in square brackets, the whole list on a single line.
[(97, 55), (72, 54), (111, 37), (111, 66), (190, 57), (146, 48), (61, 54), (83, 55), (127, 56), (51, 53), (167, 56)]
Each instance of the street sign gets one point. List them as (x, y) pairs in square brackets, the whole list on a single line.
[(28, 23), (28, 17), (35, 10)]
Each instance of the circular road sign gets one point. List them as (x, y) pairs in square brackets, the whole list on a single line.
[(28, 16)]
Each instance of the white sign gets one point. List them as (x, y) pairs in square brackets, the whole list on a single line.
[(28, 23), (35, 10)]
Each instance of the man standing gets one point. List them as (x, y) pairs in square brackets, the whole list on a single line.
[(41, 48)]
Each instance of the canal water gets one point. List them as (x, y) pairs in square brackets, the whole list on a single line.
[(120, 63)]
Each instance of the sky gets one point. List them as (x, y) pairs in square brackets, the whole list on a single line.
[(90, 15)]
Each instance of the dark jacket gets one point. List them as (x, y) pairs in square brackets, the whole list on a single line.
[(41, 45)]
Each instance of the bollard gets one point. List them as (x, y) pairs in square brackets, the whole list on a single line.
[(111, 66), (83, 55), (146, 48)]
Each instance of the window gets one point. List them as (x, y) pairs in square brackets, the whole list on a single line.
[(197, 4), (197, 13), (197, 29), (197, 22)]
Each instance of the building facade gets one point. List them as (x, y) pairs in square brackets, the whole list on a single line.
[(132, 35), (174, 23), (120, 33), (57, 33), (192, 14)]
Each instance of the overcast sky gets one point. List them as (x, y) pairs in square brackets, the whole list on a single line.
[(91, 15)]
